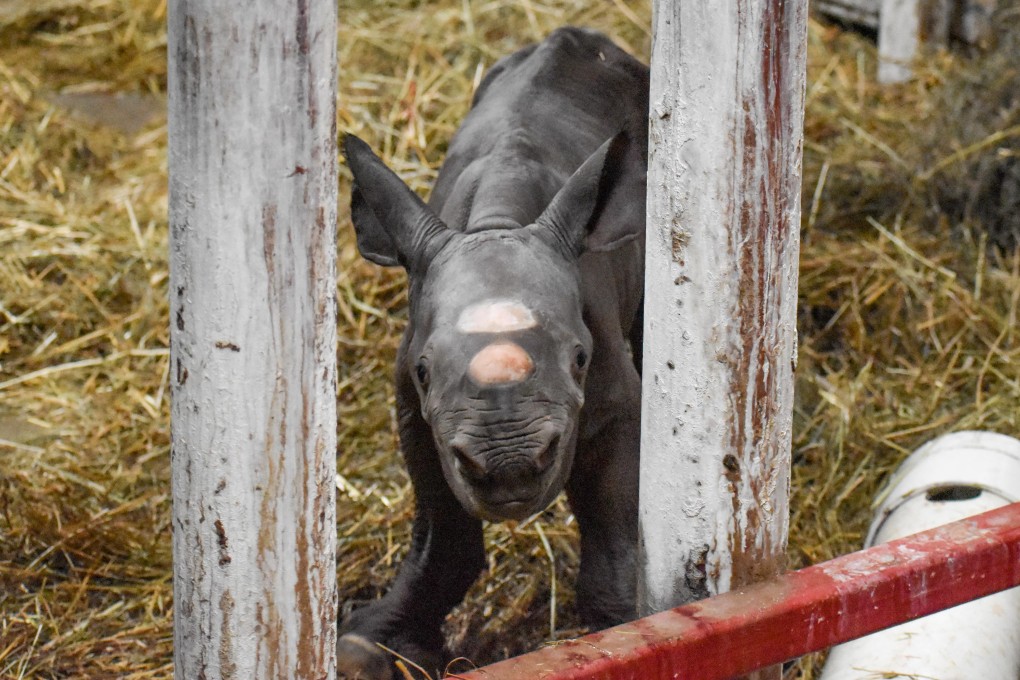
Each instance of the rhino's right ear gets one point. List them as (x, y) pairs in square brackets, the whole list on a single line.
[(602, 205), (393, 225)]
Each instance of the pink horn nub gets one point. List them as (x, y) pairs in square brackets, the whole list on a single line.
[(500, 363)]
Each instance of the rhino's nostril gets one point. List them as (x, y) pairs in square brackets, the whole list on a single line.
[(469, 465), (546, 457)]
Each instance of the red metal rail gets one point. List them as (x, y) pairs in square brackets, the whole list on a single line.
[(803, 611)]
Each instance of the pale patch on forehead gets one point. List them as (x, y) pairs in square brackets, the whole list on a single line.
[(495, 316), (500, 363)]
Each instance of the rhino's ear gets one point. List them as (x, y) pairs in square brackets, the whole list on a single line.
[(393, 225), (602, 205)]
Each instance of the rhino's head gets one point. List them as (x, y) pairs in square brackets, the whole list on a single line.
[(498, 350)]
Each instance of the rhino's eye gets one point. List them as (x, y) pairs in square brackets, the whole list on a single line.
[(422, 372), (581, 359)]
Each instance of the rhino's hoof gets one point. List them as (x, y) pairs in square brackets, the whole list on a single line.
[(358, 658)]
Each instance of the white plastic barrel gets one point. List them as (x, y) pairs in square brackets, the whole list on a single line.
[(947, 479)]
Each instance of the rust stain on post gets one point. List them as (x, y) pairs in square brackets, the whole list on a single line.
[(221, 541), (302, 586), (302, 594), (760, 242), (228, 668), (269, 240), (679, 240)]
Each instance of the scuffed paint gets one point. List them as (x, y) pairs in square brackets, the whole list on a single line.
[(800, 612), (720, 295)]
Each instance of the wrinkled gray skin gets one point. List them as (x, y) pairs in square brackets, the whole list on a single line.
[(541, 200)]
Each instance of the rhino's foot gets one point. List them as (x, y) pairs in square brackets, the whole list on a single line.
[(358, 658)]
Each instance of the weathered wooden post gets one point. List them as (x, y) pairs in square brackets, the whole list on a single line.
[(904, 26), (727, 99), (252, 162)]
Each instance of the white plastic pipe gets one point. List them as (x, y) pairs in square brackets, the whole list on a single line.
[(948, 479)]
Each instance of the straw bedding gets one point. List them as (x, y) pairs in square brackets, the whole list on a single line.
[(910, 289)]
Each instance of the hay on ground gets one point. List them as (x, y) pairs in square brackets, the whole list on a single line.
[(910, 289)]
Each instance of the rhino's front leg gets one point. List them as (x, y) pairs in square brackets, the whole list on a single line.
[(445, 557), (603, 493)]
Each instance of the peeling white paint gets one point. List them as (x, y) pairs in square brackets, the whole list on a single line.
[(253, 190), (710, 161)]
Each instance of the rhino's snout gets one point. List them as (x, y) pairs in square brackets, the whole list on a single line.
[(480, 467), (509, 482), (472, 467)]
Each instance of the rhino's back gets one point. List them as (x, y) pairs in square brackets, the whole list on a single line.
[(575, 81), (537, 115)]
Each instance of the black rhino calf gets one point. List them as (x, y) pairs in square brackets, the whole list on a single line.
[(515, 377)]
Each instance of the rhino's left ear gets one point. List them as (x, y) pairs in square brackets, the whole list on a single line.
[(602, 205), (393, 225)]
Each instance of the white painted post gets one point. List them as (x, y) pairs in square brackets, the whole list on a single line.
[(905, 25), (899, 23), (252, 161), (972, 20), (726, 124)]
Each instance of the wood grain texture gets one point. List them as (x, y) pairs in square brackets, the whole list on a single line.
[(726, 127), (253, 182)]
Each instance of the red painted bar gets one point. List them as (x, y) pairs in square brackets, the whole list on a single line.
[(803, 611)]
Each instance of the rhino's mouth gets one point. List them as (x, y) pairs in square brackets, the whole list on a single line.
[(516, 510), (496, 502), (506, 474)]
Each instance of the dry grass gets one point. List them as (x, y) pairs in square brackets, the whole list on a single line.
[(908, 312)]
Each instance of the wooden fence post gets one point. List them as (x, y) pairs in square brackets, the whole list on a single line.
[(726, 125), (252, 163), (904, 26)]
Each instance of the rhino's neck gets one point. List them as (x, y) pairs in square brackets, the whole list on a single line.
[(506, 188), (512, 190)]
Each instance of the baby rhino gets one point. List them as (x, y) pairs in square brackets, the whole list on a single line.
[(518, 375)]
